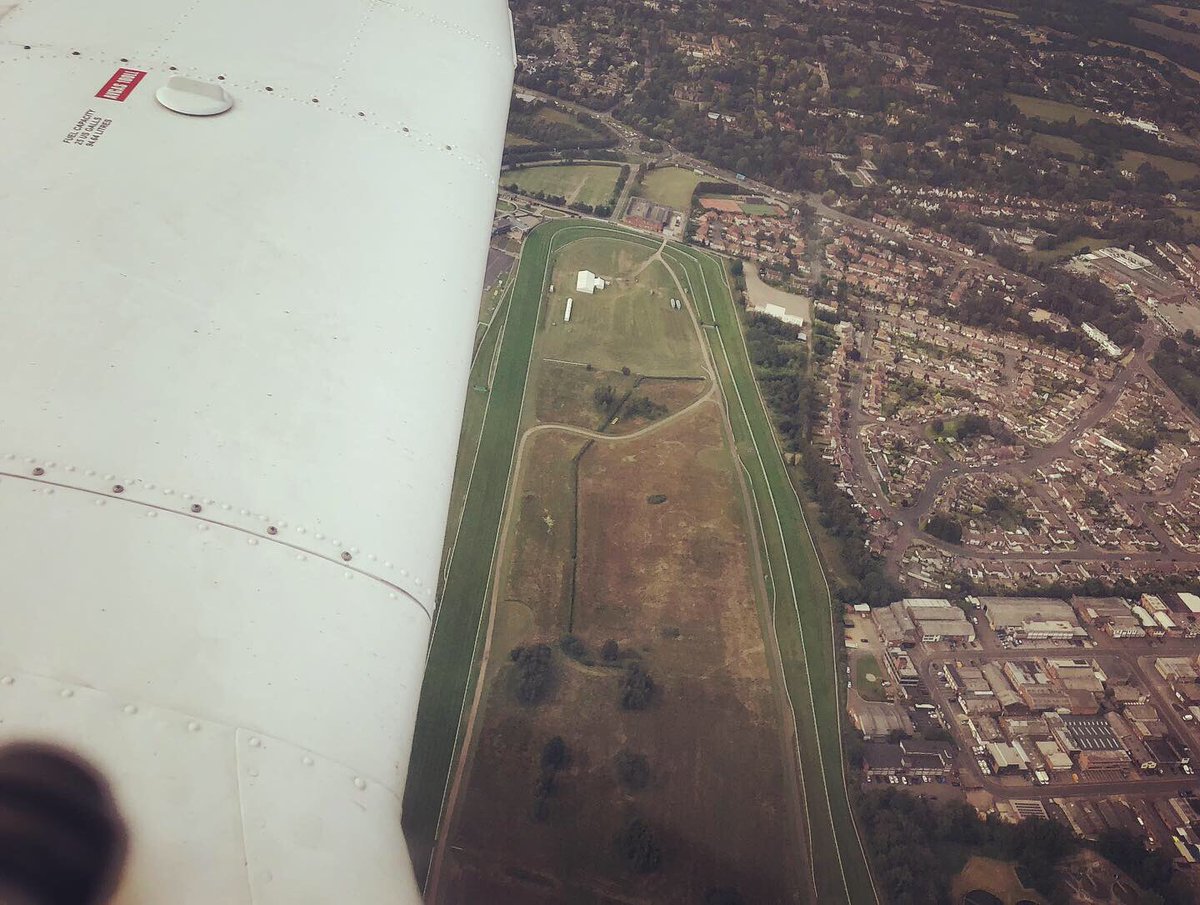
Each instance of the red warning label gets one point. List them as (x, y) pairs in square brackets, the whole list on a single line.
[(121, 85)]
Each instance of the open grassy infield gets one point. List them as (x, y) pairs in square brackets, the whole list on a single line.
[(628, 324), (578, 183), (672, 186), (796, 587)]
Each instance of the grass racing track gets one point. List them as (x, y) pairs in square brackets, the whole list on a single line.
[(798, 591)]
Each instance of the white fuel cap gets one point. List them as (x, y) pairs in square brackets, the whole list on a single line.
[(192, 97)]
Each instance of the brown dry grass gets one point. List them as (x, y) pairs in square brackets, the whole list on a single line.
[(538, 572), (718, 799), (564, 393), (694, 557)]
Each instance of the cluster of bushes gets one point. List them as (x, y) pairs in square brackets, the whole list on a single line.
[(608, 403), (912, 843), (637, 847), (1178, 364), (539, 196), (641, 407), (606, 400), (637, 688), (525, 119), (534, 664), (916, 844), (573, 647)]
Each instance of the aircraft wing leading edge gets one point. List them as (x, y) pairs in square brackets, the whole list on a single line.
[(235, 352)]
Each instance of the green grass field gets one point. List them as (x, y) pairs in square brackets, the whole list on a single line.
[(1057, 144), (1180, 35), (583, 183), (627, 324), (1176, 170), (868, 679), (1069, 249), (1055, 111), (672, 186), (799, 596), (1190, 73), (1187, 214)]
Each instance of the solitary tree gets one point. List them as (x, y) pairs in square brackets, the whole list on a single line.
[(554, 754), (637, 688), (638, 848), (633, 770)]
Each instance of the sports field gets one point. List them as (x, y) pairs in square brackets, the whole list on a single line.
[(591, 184), (796, 589), (672, 186)]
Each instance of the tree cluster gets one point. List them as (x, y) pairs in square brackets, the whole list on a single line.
[(944, 527), (637, 688), (912, 840), (555, 756), (1178, 364), (534, 663), (638, 848)]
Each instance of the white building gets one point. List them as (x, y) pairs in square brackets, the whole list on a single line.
[(778, 312), (1100, 338), (588, 282)]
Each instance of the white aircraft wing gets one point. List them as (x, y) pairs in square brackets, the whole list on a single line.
[(233, 357)]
